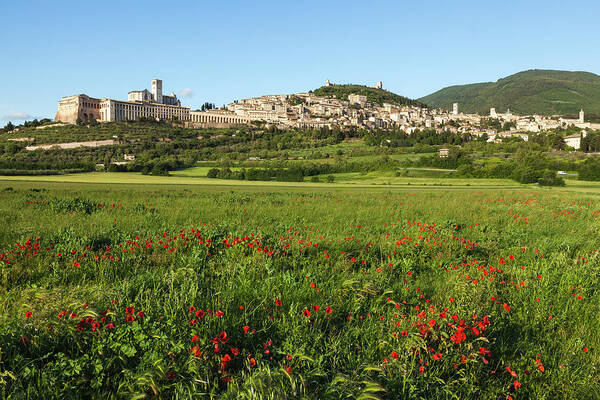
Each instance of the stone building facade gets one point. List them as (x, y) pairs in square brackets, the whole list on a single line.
[(139, 104), (80, 106)]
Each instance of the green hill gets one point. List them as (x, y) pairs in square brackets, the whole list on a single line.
[(374, 95), (545, 92)]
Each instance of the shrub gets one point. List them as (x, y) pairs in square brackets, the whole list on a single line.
[(212, 173), (549, 178), (526, 174)]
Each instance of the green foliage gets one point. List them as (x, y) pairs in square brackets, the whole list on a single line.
[(378, 96), (590, 170), (529, 92), (549, 178)]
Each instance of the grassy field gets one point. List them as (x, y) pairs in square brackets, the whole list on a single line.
[(387, 179), (316, 291)]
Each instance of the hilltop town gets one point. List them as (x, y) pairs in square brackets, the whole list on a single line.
[(309, 110)]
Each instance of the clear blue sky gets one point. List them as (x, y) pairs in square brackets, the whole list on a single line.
[(226, 50)]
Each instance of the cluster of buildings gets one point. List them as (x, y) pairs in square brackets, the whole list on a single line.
[(306, 110)]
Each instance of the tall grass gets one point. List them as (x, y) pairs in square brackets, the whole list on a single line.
[(303, 294)]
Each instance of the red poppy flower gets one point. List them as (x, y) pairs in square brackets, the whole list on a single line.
[(196, 351), (130, 318), (316, 308), (223, 337), (328, 310), (110, 326), (28, 314), (278, 302), (234, 351), (306, 313), (517, 384), (394, 355), (195, 338), (200, 314), (141, 314), (506, 307), (404, 333), (245, 328), (129, 310)]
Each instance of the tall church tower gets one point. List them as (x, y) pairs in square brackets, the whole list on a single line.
[(581, 116), (157, 90)]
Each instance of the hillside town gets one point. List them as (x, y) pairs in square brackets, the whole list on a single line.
[(307, 110)]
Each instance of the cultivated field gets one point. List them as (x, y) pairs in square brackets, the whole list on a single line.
[(298, 291)]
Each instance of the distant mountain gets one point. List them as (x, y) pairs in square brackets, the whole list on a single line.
[(545, 92), (374, 95)]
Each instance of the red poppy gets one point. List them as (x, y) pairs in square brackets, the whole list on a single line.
[(328, 310), (141, 314), (403, 333), (437, 356), (196, 351), (517, 384), (130, 318), (278, 302), (394, 355), (306, 313), (195, 338), (316, 308), (28, 314), (506, 307), (223, 337), (245, 328), (200, 314), (110, 326), (234, 351), (541, 368), (129, 310)]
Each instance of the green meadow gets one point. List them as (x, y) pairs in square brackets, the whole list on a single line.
[(132, 286)]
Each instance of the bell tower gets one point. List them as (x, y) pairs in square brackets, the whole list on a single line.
[(157, 90)]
